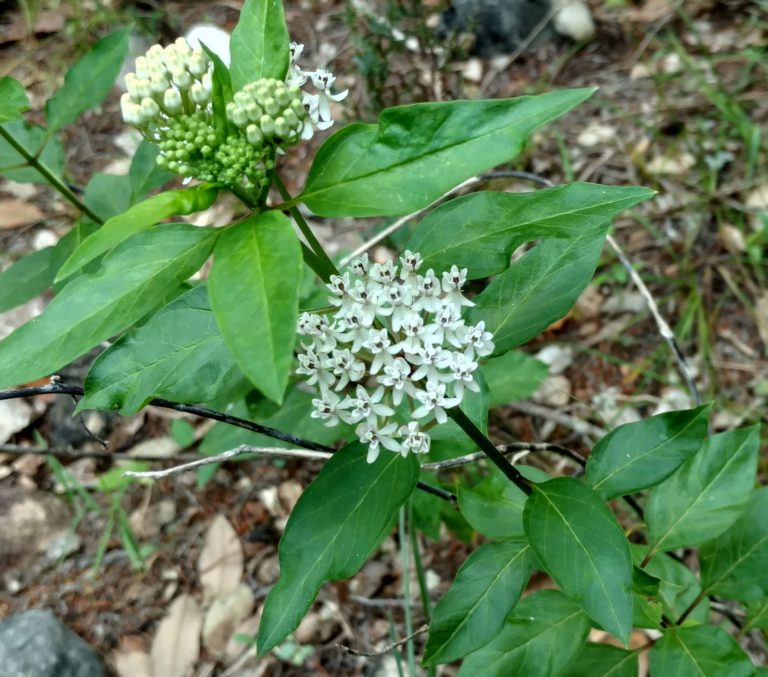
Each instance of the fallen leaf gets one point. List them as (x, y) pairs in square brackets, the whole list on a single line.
[(224, 615), (132, 664), (221, 560), (176, 647), (14, 213)]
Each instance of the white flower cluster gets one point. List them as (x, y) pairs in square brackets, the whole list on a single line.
[(317, 103), (398, 337), (167, 81)]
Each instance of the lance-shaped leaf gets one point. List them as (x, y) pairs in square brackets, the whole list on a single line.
[(512, 376), (706, 494), (639, 455), (417, 153), (480, 231), (140, 217), (89, 81), (254, 291), (702, 650), (536, 290), (26, 278), (13, 99), (494, 506), (338, 522), (757, 615), (735, 564), (484, 592), (603, 660), (145, 174), (541, 637), (135, 278), (259, 45), (179, 355), (678, 585), (31, 138), (583, 548)]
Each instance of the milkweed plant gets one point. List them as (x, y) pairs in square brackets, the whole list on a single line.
[(391, 363)]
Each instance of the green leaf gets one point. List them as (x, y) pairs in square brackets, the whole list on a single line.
[(494, 506), (757, 615), (32, 138), (480, 231), (145, 174), (26, 278), (536, 290), (259, 45), (603, 660), (140, 217), (448, 439), (92, 308), (178, 355), (705, 495), (108, 195), (678, 585), (221, 94), (511, 377), (640, 455), (545, 632), (89, 81), (390, 168), (735, 565), (254, 290), (702, 650), (13, 99), (583, 548), (484, 592), (647, 610), (339, 521)]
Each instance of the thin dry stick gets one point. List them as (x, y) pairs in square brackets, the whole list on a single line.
[(228, 455), (403, 220), (661, 323), (387, 648), (575, 424), (517, 448)]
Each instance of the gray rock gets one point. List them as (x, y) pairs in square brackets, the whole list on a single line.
[(36, 644), (499, 26)]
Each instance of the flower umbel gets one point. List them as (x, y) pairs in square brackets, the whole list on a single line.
[(395, 338)]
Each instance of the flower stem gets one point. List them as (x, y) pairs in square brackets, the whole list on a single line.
[(487, 447), (326, 266), (55, 182)]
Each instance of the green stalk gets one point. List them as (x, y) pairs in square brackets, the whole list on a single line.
[(406, 571), (55, 182), (426, 604), (488, 448), (327, 267)]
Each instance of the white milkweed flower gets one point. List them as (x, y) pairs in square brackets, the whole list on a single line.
[(317, 103), (395, 338)]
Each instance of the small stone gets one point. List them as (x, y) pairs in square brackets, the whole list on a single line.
[(308, 631), (574, 20), (289, 493), (557, 358), (596, 134), (37, 643), (15, 415), (732, 239), (473, 70)]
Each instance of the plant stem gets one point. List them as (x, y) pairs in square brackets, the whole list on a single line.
[(406, 572), (327, 267), (691, 607), (55, 182), (486, 446)]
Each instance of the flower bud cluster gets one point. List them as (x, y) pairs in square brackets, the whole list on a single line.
[(168, 82), (268, 111), (317, 103), (397, 337), (169, 101)]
